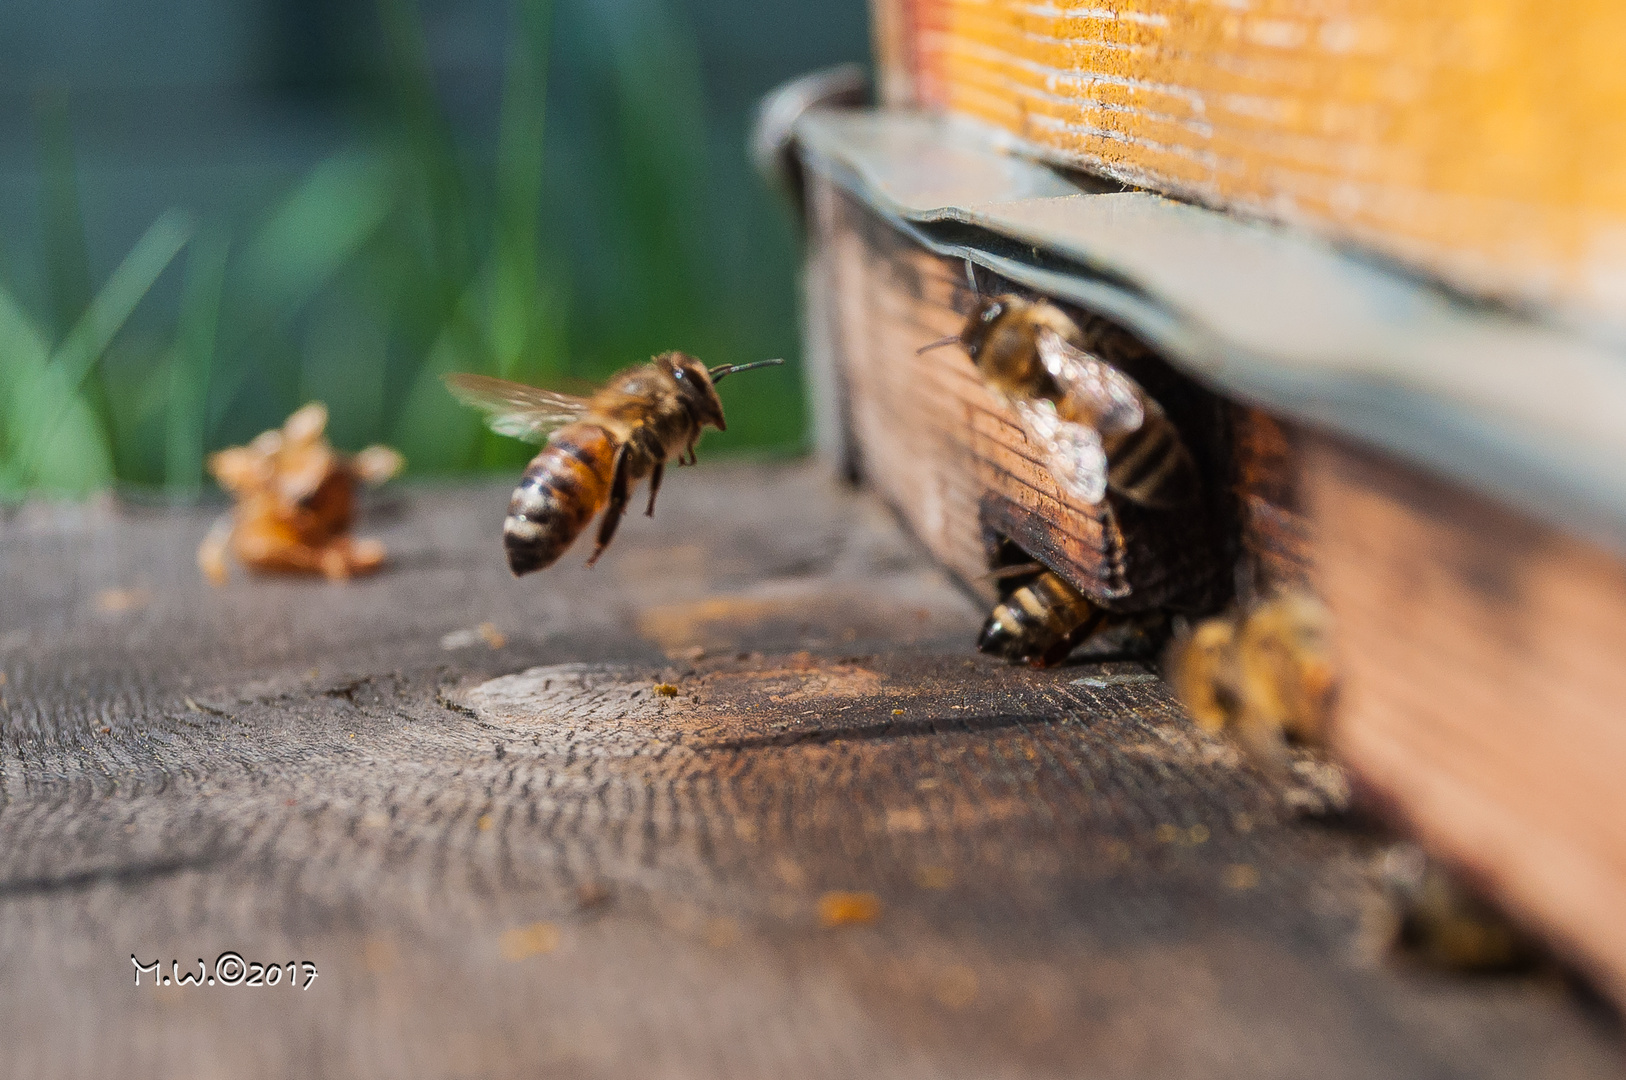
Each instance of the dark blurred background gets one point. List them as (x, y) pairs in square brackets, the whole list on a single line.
[(213, 211)]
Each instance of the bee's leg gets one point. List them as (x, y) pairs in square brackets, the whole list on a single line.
[(620, 491), (654, 487)]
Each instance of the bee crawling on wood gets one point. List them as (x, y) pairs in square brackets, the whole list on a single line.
[(596, 448), (1040, 621), (1265, 674), (1097, 428), (295, 498)]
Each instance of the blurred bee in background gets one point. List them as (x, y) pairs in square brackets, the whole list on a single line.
[(1097, 428), (1432, 915), (294, 498), (1265, 674), (596, 448)]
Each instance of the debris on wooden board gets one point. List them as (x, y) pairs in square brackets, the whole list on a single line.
[(294, 501), (486, 633), (121, 601), (848, 908), (522, 943)]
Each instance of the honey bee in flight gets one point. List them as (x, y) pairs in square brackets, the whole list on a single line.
[(1265, 674), (596, 448), (1097, 428), (1040, 622)]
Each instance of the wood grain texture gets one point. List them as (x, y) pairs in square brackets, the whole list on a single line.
[(1277, 536), (1483, 689), (953, 458), (519, 861), (1476, 139)]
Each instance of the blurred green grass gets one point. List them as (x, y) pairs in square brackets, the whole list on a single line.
[(409, 254)]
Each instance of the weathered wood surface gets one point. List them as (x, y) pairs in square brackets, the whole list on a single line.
[(299, 771), (1483, 688), (952, 456)]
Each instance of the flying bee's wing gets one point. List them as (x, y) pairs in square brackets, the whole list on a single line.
[(1072, 451), (1109, 395), (514, 409)]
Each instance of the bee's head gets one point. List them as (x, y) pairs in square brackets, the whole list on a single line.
[(696, 387), (985, 314)]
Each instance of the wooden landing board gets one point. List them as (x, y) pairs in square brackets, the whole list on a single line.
[(1475, 139), (1484, 689), (953, 459), (517, 861)]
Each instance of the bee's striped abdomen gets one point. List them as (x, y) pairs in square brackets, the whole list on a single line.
[(1040, 623), (563, 487), (1150, 465)]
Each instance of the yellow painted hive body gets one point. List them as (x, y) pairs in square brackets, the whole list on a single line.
[(1480, 140)]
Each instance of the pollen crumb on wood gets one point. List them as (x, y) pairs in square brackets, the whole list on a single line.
[(463, 639), (379, 954), (537, 939), (1241, 877), (955, 986), (665, 689), (847, 908), (722, 932), (118, 601)]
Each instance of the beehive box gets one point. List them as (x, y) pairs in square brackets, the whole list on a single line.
[(1477, 140), (1480, 650), (1362, 434)]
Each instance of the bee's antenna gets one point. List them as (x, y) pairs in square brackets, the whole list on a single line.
[(718, 372), (971, 276), (952, 339)]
